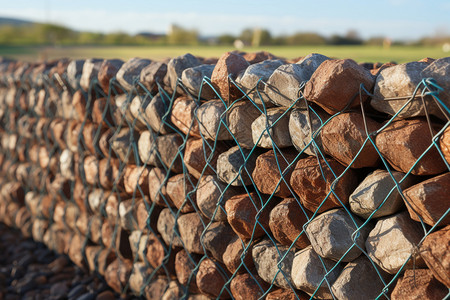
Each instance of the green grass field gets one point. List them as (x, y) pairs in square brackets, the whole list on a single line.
[(398, 54)]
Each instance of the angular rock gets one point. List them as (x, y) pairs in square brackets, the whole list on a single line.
[(74, 70), (286, 223), (198, 152), (157, 114), (236, 165), (137, 109), (300, 129), (153, 74), (270, 169), (435, 251), (192, 79), (127, 214), (117, 274), (285, 294), (171, 151), (237, 253), (107, 71), (130, 72), (183, 116), (216, 239), (311, 62), (308, 273), (138, 244), (392, 242), (212, 120), (136, 180), (210, 193), (375, 190), (439, 70), (444, 143), (155, 252), (228, 68), (403, 142), (177, 65), (428, 200), (331, 234), (90, 72), (138, 277), (257, 57), (109, 174), (308, 173), (247, 287), (335, 85), (147, 148), (343, 137), (155, 289), (359, 280), (272, 128), (185, 264), (211, 279), (157, 187), (166, 226), (179, 189), (253, 78), (121, 143), (191, 228), (240, 118), (273, 261), (419, 284)]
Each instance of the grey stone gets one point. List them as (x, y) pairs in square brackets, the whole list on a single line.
[(191, 227), (300, 129), (268, 262), (308, 271), (121, 143), (169, 147), (392, 242), (152, 74), (177, 65), (311, 62), (359, 280), (131, 71), (138, 244), (137, 109), (229, 166), (155, 289), (147, 148), (192, 79), (399, 81), (331, 233), (277, 132), (74, 70), (439, 70), (90, 72), (127, 214), (240, 118), (212, 120), (157, 116), (374, 190), (216, 239), (138, 277), (253, 74), (165, 227)]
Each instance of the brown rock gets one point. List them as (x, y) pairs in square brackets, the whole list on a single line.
[(148, 149), (102, 114), (234, 255), (157, 187), (130, 71), (136, 180), (336, 83), (90, 165), (79, 105), (435, 251), (312, 186), (103, 143), (211, 279), (155, 251), (419, 284), (216, 238), (285, 294), (107, 71), (180, 190), (256, 57), (240, 118), (165, 226), (270, 169), (196, 154), (428, 200), (403, 142), (286, 223), (153, 74), (185, 264), (117, 274), (121, 143), (229, 64), (242, 211), (247, 286), (212, 120), (109, 174), (272, 128), (190, 227), (445, 144), (183, 116), (75, 251), (171, 151), (343, 137)]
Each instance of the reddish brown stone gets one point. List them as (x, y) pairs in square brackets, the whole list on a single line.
[(183, 117), (194, 156), (403, 142), (377, 70), (117, 274), (229, 64), (284, 294), (269, 170), (445, 144), (435, 251), (157, 187), (335, 85), (136, 180), (79, 105), (99, 258), (232, 257), (210, 280), (418, 284), (91, 136), (104, 145), (155, 251), (107, 71), (74, 131), (179, 189), (242, 211), (286, 223), (57, 131), (257, 57), (75, 251), (184, 265), (246, 287), (344, 135), (428, 60), (312, 183), (428, 201), (90, 165), (108, 174), (101, 113)]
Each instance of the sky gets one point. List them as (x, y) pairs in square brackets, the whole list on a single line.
[(396, 19)]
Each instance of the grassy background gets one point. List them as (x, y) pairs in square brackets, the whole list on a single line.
[(399, 54)]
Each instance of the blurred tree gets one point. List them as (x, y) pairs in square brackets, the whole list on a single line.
[(306, 38), (226, 39), (180, 36)]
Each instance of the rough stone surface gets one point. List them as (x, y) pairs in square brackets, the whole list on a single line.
[(177, 65), (272, 128), (374, 190), (74, 70), (284, 294), (229, 64), (212, 120), (156, 114), (336, 83), (403, 142), (191, 228), (179, 190), (230, 162), (120, 143), (311, 62), (439, 70), (185, 264), (153, 74), (359, 280), (192, 79), (157, 187), (267, 258), (90, 72), (300, 129), (131, 71), (211, 191), (257, 57), (137, 109), (216, 239), (210, 280), (331, 235), (393, 240), (444, 142), (343, 137), (166, 223), (242, 211), (428, 201), (197, 152), (312, 186), (419, 284), (252, 79), (240, 118), (270, 169), (435, 251), (136, 180), (107, 71), (247, 287), (308, 272), (237, 253), (183, 116), (147, 148), (169, 147), (286, 223)]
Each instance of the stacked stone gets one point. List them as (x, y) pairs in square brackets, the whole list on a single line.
[(248, 176)]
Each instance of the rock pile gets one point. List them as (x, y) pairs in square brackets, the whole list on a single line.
[(244, 177)]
